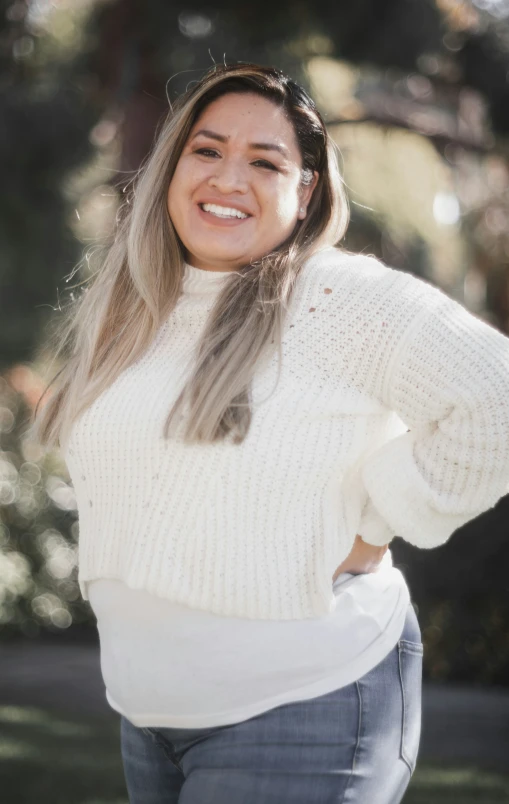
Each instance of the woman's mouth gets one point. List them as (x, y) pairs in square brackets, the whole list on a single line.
[(219, 214)]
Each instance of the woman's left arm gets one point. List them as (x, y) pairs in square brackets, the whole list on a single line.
[(448, 380)]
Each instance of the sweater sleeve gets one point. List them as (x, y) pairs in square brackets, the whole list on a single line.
[(448, 380)]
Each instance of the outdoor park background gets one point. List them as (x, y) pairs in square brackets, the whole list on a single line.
[(416, 94)]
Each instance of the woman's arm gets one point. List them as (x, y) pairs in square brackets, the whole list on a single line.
[(448, 380)]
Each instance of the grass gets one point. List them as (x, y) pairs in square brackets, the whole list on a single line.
[(50, 758), (435, 785)]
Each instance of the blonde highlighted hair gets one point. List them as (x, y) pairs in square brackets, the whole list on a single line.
[(117, 314)]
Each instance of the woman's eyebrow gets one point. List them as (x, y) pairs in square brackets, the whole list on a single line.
[(270, 146), (262, 146)]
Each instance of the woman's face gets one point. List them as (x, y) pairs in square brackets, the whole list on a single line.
[(236, 192)]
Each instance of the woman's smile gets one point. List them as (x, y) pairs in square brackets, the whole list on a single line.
[(222, 214)]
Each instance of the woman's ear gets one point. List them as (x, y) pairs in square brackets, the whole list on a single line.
[(305, 195)]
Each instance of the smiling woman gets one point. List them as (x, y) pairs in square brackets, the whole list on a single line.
[(249, 415), (245, 136)]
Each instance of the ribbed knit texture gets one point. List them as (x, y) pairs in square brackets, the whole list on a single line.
[(391, 417)]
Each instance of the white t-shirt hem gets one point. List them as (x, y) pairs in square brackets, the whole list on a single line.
[(355, 669)]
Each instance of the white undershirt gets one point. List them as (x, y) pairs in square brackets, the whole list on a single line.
[(166, 664)]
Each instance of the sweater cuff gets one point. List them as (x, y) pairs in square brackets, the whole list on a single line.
[(373, 529), (401, 495)]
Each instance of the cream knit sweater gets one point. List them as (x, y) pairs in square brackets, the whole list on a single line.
[(390, 417)]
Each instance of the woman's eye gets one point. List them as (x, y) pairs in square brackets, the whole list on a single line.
[(210, 152), (263, 163), (206, 151)]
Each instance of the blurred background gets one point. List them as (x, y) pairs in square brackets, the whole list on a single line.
[(416, 94)]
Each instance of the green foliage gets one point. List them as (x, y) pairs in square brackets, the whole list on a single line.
[(45, 120), (38, 533)]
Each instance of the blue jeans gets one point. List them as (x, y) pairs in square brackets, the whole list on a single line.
[(355, 745)]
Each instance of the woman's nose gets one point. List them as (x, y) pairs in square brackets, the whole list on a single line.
[(229, 176)]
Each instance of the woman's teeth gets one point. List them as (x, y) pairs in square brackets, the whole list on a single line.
[(223, 212)]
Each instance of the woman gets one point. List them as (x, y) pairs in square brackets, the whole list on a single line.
[(249, 415)]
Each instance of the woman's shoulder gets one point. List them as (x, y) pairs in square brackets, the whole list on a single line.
[(340, 257), (338, 265), (338, 261), (371, 278)]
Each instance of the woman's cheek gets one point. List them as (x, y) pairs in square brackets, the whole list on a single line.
[(285, 213)]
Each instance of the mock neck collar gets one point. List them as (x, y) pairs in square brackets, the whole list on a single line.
[(199, 280)]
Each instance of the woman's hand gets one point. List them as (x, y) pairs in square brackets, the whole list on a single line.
[(362, 558)]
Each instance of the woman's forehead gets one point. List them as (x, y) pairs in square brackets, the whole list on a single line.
[(249, 117)]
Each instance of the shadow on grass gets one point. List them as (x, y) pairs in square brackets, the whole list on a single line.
[(442, 785), (51, 758)]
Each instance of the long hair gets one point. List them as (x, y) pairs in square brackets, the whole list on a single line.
[(116, 316)]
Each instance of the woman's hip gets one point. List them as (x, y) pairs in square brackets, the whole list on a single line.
[(356, 744)]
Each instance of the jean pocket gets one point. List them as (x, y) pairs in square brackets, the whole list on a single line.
[(410, 673)]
